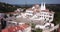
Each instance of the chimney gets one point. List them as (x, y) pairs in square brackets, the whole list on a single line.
[(43, 7)]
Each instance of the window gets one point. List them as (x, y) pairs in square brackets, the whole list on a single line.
[(44, 16), (50, 14), (44, 13), (45, 19), (50, 18)]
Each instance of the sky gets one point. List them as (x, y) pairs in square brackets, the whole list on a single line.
[(30, 1)]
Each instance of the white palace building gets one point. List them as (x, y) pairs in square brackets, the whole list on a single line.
[(40, 13), (37, 14)]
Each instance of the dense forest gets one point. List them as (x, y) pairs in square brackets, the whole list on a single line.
[(4, 7)]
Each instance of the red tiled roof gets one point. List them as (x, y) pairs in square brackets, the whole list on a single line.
[(15, 28), (5, 30), (58, 30)]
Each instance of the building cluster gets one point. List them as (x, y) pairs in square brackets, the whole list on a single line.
[(36, 14)]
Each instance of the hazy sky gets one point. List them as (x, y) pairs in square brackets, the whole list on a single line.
[(30, 1)]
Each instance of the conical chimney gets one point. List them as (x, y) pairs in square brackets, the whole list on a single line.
[(43, 7)]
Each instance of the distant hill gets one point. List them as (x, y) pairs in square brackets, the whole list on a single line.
[(7, 7), (54, 7)]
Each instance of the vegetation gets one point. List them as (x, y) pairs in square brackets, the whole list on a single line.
[(7, 7), (33, 25), (35, 30), (56, 9), (38, 30)]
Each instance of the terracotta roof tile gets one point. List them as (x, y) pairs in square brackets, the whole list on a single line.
[(15, 28)]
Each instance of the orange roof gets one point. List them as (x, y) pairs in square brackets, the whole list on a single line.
[(16, 28), (5, 30)]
